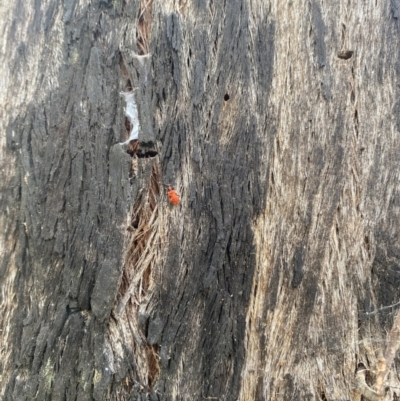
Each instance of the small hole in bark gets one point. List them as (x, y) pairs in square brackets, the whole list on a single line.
[(146, 155), (345, 54), (152, 153), (134, 149), (226, 97), (360, 366)]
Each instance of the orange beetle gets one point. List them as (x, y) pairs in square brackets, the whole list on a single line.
[(173, 195)]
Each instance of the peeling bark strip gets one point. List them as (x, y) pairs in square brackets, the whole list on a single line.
[(272, 277), (129, 326)]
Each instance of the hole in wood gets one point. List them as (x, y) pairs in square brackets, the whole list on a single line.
[(146, 155), (345, 54), (135, 222), (134, 149), (226, 97)]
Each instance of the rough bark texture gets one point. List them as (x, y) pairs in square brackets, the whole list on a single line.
[(277, 123)]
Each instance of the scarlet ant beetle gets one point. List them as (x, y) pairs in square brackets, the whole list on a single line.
[(173, 195)]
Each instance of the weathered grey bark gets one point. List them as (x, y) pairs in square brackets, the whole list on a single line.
[(284, 146)]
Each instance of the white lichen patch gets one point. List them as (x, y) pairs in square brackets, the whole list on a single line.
[(96, 377), (48, 375)]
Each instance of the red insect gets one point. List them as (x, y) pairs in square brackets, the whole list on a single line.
[(173, 195)]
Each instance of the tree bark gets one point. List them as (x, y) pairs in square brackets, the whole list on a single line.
[(278, 125)]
